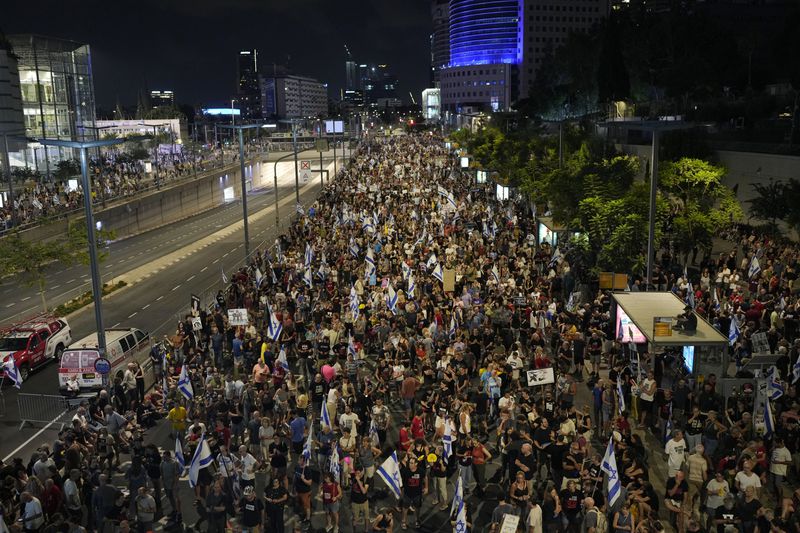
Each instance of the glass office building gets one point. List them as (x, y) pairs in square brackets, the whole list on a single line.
[(57, 97)]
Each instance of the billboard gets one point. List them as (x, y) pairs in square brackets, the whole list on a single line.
[(626, 327), (334, 126)]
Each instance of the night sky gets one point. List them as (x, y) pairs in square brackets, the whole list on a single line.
[(191, 46)]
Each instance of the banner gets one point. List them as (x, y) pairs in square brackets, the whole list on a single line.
[(541, 376), (237, 317), (194, 305)]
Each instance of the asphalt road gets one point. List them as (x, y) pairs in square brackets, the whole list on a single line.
[(153, 304)]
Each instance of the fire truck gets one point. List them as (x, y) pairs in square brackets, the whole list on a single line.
[(34, 342)]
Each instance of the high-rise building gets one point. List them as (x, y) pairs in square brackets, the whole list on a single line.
[(440, 38), (496, 47), (547, 25), (162, 98), (379, 86), (431, 104), (57, 91), (351, 75), (248, 93), (290, 96)]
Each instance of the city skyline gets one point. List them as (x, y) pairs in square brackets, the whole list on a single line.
[(197, 43)]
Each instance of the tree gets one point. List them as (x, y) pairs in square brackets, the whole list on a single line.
[(67, 168), (770, 203), (701, 205), (30, 259)]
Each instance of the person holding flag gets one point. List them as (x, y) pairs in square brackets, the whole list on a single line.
[(12, 372), (201, 460), (415, 486)]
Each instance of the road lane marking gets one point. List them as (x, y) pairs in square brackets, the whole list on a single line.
[(73, 279), (34, 436), (159, 298), (55, 287), (215, 261), (204, 268), (145, 307), (26, 298), (10, 305), (176, 287), (190, 279), (132, 314), (115, 325)]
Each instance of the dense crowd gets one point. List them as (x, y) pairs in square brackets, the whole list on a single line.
[(352, 349)]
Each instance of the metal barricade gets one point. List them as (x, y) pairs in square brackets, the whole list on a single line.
[(45, 409)]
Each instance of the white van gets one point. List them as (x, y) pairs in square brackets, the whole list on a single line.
[(123, 346)]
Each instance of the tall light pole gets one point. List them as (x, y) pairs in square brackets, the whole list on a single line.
[(240, 128), (293, 122), (97, 286)]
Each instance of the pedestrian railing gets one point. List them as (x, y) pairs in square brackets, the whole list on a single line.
[(45, 409)]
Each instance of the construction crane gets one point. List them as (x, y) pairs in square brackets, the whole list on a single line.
[(412, 98), (347, 51)]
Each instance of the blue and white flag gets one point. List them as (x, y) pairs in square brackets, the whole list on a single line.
[(609, 466), (432, 262), (185, 384), (351, 347), (495, 274), (309, 255), (570, 306), (668, 426), (325, 417), (272, 271), (775, 388), (458, 496), (370, 263), (366, 226), (12, 372), (179, 454), (391, 299), (717, 306), (448, 197), (224, 277), (412, 286), (438, 273), (373, 433), (733, 331), (796, 370), (620, 396), (201, 459), (453, 327), (275, 327), (406, 270), (307, 446), (556, 259), (259, 277), (754, 269), (353, 248), (308, 279), (494, 229), (447, 439), (390, 474), (461, 519), (486, 232), (354, 303), (164, 374), (769, 420), (336, 468), (282, 358), (690, 297), (278, 251)]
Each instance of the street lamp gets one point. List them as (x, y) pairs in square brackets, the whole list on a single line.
[(240, 128), (656, 127), (96, 129), (155, 148), (97, 287), (296, 170)]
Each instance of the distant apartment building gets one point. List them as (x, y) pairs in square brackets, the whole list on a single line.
[(290, 96)]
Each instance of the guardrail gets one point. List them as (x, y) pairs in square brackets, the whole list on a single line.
[(45, 409)]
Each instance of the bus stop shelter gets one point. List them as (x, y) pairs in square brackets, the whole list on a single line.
[(649, 319)]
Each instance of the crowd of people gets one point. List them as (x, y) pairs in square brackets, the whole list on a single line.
[(399, 317)]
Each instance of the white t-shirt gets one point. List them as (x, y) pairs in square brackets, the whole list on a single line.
[(676, 451), (646, 384), (748, 481), (33, 508), (716, 490), (349, 421), (780, 454), (72, 495), (248, 467), (226, 465)]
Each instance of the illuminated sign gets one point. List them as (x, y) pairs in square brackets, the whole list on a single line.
[(216, 111), (626, 327)]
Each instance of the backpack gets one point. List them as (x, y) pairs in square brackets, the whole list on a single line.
[(602, 521)]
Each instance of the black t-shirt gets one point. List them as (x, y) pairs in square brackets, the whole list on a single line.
[(695, 426), (275, 494), (571, 502), (299, 484), (529, 462), (251, 511), (683, 488), (318, 391), (726, 514), (304, 348), (748, 510), (356, 496), (412, 481)]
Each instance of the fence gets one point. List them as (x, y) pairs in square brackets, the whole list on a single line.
[(45, 409)]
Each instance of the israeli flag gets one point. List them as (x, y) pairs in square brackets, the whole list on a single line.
[(453, 326), (432, 262), (609, 466), (272, 271), (164, 378), (309, 255), (373, 433), (370, 263), (495, 274), (775, 388), (366, 226), (556, 259), (438, 273), (486, 232), (716, 301), (351, 347), (571, 302), (185, 384), (769, 421), (278, 252), (458, 496), (282, 359), (307, 446), (494, 229), (733, 331), (224, 277), (390, 473), (412, 286), (448, 197), (690, 297), (406, 270), (308, 279), (179, 454), (325, 417), (336, 468), (461, 519), (259, 277), (275, 327), (391, 299), (447, 439), (201, 459), (12, 372), (754, 269), (354, 251), (620, 396), (668, 426), (354, 303)]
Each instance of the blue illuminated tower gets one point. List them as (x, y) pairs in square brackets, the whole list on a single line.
[(484, 32)]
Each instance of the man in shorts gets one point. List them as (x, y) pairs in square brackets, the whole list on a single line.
[(359, 501), (415, 486)]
